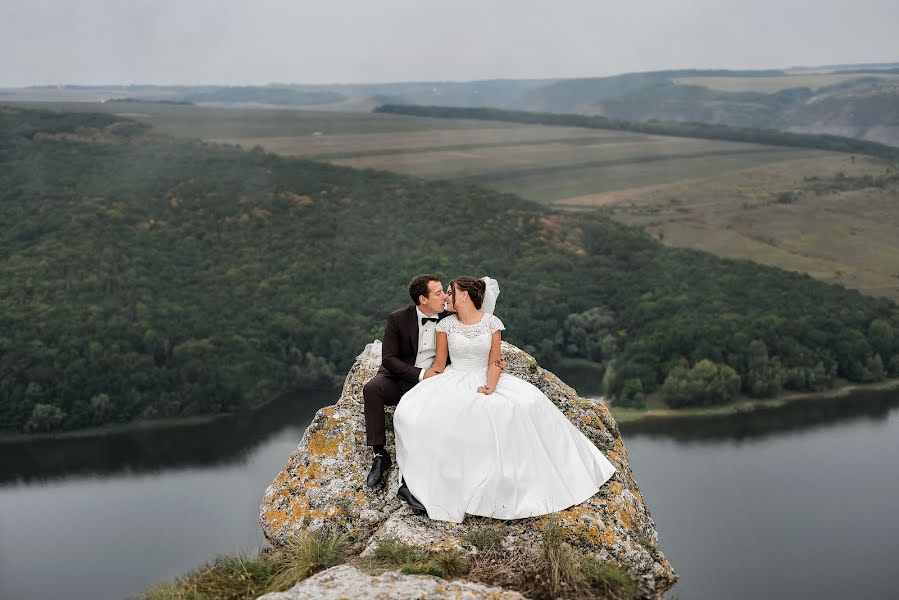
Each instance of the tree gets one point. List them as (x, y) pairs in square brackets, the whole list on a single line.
[(705, 384), (44, 418)]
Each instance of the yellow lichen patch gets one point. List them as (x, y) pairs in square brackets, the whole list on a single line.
[(321, 445), (443, 545), (615, 487), (276, 518), (604, 536), (261, 213), (360, 499), (306, 476), (626, 514), (296, 199)]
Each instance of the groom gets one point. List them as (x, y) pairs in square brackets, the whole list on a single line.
[(407, 352)]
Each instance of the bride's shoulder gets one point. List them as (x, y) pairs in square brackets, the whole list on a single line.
[(446, 321), (494, 323)]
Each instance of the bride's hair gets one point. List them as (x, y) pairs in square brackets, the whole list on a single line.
[(475, 288)]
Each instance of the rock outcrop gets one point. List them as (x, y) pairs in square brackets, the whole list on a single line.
[(323, 485), (344, 581)]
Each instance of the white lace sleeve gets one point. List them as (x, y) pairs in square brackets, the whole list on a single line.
[(495, 324), (444, 323)]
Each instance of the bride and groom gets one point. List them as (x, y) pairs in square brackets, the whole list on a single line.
[(470, 438)]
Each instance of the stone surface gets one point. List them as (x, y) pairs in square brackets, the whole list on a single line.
[(344, 581), (323, 484)]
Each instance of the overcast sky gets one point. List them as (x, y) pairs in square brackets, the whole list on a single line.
[(328, 41)]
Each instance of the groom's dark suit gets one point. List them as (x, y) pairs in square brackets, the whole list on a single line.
[(397, 374)]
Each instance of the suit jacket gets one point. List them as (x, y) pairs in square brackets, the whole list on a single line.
[(399, 347)]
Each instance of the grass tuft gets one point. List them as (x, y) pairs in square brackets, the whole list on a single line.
[(488, 539), (391, 554), (242, 577), (570, 574), (227, 577), (608, 580), (310, 553)]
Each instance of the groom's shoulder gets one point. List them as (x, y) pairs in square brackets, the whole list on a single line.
[(401, 312)]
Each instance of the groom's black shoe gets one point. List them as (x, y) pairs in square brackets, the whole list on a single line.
[(379, 466), (404, 494)]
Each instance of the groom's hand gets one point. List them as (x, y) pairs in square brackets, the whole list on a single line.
[(503, 365)]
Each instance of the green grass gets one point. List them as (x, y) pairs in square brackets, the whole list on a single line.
[(249, 576), (228, 578), (394, 555)]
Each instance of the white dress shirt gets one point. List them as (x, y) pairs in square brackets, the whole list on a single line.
[(427, 343)]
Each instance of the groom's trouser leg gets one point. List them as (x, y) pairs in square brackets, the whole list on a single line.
[(381, 391)]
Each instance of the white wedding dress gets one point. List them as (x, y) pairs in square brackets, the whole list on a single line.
[(508, 455)]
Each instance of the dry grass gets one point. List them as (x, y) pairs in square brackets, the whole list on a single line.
[(846, 237)]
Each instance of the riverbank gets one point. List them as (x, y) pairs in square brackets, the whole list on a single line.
[(657, 410), (14, 437)]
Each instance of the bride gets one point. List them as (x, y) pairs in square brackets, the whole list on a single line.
[(479, 441)]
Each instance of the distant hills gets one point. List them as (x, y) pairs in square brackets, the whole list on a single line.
[(859, 101)]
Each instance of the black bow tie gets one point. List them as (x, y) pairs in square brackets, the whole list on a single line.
[(426, 319)]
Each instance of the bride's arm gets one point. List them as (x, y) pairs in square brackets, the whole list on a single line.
[(442, 352), (493, 370)]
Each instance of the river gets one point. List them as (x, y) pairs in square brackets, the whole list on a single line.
[(789, 503)]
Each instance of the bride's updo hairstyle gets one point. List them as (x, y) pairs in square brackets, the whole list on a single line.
[(475, 288)]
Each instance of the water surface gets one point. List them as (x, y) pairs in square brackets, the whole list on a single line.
[(786, 503)]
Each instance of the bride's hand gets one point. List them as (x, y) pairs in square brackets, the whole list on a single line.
[(486, 390)]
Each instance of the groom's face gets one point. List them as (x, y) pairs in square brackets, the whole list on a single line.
[(434, 302)]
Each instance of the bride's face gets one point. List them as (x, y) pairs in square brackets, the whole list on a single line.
[(449, 299)]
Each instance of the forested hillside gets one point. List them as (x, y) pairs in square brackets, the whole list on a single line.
[(149, 277)]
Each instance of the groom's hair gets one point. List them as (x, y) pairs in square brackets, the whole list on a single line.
[(419, 286)]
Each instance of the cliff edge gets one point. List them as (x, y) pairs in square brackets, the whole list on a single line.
[(323, 485)]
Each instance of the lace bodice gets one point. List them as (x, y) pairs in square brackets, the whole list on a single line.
[(469, 345)]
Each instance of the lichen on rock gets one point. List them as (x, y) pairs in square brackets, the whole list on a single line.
[(323, 484)]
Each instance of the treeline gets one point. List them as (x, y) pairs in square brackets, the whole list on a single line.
[(144, 277), (710, 131)]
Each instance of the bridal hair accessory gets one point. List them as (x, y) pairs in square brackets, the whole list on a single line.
[(490, 294)]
